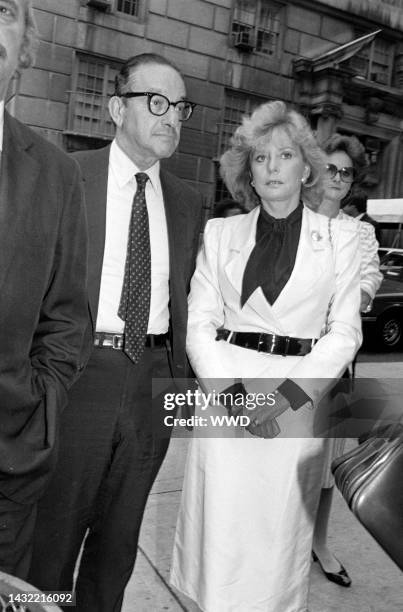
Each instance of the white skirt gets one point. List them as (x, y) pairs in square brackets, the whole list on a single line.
[(244, 532)]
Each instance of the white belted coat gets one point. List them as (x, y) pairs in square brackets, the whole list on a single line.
[(245, 524)]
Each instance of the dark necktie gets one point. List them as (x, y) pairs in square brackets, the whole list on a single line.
[(134, 307)]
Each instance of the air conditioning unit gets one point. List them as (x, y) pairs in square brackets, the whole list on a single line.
[(100, 5), (244, 39)]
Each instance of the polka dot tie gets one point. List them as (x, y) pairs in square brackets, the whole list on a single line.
[(134, 307)]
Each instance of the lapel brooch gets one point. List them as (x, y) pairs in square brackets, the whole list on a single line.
[(315, 235)]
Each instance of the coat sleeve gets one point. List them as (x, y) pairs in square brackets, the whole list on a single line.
[(64, 314), (371, 277), (207, 357), (335, 350)]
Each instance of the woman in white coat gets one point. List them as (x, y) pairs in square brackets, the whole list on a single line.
[(345, 157), (281, 286)]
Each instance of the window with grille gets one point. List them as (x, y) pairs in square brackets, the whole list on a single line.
[(256, 25), (129, 7), (221, 192), (375, 61), (237, 104), (93, 86)]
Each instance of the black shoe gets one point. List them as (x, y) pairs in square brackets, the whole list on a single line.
[(341, 578)]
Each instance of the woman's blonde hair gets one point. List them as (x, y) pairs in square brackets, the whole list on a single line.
[(258, 127)]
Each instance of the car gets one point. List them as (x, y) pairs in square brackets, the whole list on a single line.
[(390, 257), (383, 324)]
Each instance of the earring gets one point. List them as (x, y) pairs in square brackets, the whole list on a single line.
[(252, 183), (305, 178)]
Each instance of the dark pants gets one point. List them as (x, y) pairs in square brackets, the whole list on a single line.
[(16, 529), (110, 453)]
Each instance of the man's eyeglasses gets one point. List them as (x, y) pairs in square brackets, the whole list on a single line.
[(159, 104), (347, 175)]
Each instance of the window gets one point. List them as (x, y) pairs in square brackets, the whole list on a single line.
[(256, 25), (93, 86), (237, 104), (129, 7), (375, 61), (134, 8)]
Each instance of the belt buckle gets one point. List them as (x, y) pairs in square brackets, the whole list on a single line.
[(261, 343), (117, 342), (229, 337), (286, 345), (273, 344)]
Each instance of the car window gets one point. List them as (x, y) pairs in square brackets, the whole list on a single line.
[(382, 252), (393, 272), (392, 259)]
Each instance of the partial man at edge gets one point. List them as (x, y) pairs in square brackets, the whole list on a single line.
[(43, 306)]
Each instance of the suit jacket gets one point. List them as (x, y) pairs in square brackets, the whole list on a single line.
[(183, 209), (320, 300), (43, 305)]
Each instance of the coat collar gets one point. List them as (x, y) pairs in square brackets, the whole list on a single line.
[(314, 240), (94, 168), (178, 226)]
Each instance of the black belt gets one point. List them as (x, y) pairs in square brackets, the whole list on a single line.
[(267, 343), (117, 341)]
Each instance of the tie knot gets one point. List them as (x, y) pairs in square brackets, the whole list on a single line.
[(141, 178), (279, 226)]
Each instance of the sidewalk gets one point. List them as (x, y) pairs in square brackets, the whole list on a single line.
[(377, 582)]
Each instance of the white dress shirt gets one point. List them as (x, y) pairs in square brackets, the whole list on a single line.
[(121, 189)]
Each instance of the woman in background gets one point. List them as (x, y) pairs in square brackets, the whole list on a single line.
[(345, 156)]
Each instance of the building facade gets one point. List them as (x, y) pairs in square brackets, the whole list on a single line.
[(339, 61)]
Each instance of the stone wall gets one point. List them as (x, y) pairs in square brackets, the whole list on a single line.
[(195, 35)]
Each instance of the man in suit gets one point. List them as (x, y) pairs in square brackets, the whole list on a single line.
[(112, 446), (43, 305), (356, 207)]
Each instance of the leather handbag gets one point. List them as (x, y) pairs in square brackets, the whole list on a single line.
[(370, 478)]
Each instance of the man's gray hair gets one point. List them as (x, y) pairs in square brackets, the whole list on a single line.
[(29, 41)]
